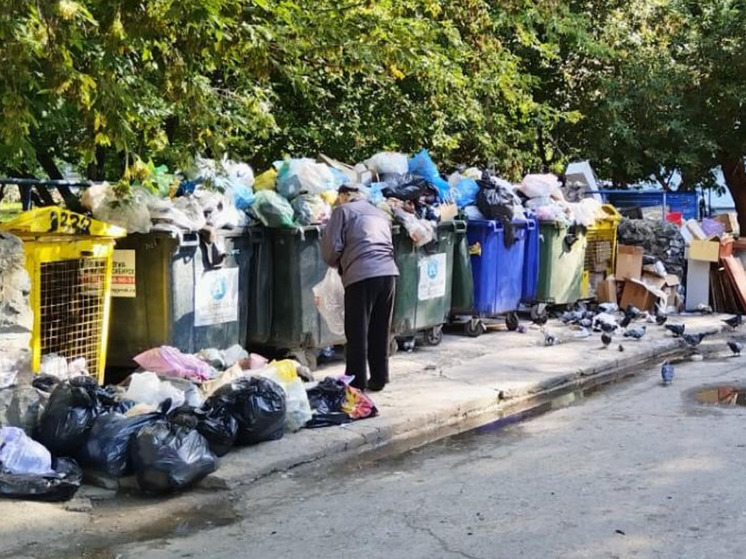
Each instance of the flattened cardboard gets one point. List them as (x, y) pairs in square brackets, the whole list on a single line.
[(606, 291), (628, 262)]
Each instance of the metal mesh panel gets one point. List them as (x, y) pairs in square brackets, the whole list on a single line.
[(72, 308), (598, 255)]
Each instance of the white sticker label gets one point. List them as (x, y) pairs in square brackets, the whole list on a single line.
[(123, 274), (432, 277), (216, 297)]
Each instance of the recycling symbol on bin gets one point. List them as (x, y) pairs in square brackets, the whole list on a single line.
[(432, 269), (218, 289)]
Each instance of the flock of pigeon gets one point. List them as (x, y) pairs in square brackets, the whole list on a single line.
[(604, 320)]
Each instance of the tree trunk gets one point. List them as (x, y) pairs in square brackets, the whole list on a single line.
[(735, 179)]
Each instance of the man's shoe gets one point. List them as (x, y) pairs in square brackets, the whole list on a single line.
[(375, 387)]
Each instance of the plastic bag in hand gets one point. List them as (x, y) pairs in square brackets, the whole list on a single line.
[(257, 404), (330, 300), (20, 454), (69, 416), (108, 446), (59, 485), (168, 457)]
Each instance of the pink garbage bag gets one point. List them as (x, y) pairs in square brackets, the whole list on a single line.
[(170, 361)]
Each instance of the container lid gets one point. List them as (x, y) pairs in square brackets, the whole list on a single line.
[(52, 220)]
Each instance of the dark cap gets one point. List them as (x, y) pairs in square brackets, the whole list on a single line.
[(345, 188)]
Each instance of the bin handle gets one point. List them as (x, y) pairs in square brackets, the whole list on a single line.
[(214, 253), (460, 226), (190, 239)]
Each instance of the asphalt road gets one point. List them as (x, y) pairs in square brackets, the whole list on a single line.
[(636, 470)]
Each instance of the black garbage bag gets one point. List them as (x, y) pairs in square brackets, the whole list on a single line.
[(494, 203), (168, 457), (408, 188), (218, 426), (58, 486), (326, 399), (258, 406), (69, 416), (108, 446)]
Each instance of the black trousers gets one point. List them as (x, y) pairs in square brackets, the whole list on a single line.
[(369, 306)]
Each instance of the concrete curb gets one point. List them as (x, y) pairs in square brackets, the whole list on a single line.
[(475, 407)]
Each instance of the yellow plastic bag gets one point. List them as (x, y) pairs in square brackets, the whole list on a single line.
[(329, 196), (286, 369), (266, 181)]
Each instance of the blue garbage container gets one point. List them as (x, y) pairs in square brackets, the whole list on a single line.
[(530, 279), (496, 266)]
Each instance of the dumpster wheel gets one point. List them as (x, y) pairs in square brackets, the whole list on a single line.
[(434, 335), (475, 328), (511, 321)]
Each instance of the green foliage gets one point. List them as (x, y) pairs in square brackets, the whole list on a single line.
[(642, 87), (99, 84)]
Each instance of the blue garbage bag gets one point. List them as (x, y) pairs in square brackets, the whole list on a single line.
[(465, 193), (423, 166)]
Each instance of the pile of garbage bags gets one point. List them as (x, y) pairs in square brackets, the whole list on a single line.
[(166, 424)]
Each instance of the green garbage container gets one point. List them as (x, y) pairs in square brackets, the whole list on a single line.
[(258, 305), (423, 292), (560, 265), (297, 266), (184, 292), (462, 290)]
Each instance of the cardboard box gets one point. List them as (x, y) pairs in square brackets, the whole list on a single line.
[(704, 251), (671, 290), (628, 262), (730, 222), (606, 291), (640, 295), (653, 280)]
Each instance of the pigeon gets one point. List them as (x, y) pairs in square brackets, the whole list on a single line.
[(625, 321), (632, 311), (704, 309), (586, 323), (549, 339), (539, 314), (667, 373), (621, 347), (636, 333), (734, 322), (661, 319), (735, 347), (676, 329), (608, 307), (608, 327), (693, 340), (605, 339)]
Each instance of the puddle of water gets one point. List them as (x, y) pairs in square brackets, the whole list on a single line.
[(181, 524), (726, 396)]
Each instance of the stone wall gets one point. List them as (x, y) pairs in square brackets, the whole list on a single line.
[(16, 323)]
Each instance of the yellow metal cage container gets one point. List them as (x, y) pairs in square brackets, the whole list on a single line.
[(69, 260), (600, 256)]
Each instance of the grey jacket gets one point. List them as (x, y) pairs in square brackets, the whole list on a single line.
[(357, 241)]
